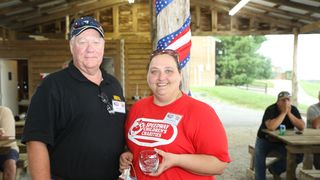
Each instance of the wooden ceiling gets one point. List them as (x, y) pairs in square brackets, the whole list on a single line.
[(257, 17)]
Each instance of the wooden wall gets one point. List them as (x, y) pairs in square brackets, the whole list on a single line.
[(127, 31), (48, 56), (136, 59)]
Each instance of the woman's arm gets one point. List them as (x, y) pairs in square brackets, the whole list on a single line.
[(196, 163)]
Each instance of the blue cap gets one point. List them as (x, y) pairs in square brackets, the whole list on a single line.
[(84, 23)]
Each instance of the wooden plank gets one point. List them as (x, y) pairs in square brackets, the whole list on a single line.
[(310, 27), (309, 174)]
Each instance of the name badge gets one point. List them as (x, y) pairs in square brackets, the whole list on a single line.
[(172, 119), (119, 106)]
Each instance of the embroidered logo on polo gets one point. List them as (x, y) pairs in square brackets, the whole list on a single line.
[(154, 132)]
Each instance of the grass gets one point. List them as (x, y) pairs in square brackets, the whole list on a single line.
[(235, 95), (241, 97), (311, 87)]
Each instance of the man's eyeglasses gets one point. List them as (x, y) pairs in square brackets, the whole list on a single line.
[(169, 52), (104, 98)]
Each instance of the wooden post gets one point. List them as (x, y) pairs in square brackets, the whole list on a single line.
[(169, 20), (294, 69), (67, 27), (115, 21)]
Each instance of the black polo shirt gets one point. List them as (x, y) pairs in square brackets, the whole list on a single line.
[(84, 140), (272, 112)]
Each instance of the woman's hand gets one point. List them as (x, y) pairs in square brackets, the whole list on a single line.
[(125, 160), (201, 164), (168, 161)]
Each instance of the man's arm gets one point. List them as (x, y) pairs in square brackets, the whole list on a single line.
[(38, 159), (272, 124), (298, 123), (316, 123)]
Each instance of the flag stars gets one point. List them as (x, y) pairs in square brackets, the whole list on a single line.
[(160, 5)]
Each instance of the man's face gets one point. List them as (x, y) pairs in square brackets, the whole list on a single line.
[(87, 50), (284, 101)]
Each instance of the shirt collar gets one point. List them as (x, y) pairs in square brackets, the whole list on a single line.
[(75, 73)]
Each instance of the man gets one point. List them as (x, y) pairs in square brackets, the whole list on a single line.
[(279, 113), (313, 121), (8, 160), (74, 126)]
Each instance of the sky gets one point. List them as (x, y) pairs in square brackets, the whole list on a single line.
[(279, 48)]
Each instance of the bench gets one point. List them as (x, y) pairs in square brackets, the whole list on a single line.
[(271, 158), (310, 174), (22, 165)]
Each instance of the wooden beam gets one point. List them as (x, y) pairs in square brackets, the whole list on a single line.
[(37, 12), (61, 14), (214, 19), (135, 25), (233, 22), (296, 5), (310, 27), (115, 21), (198, 18), (294, 69), (19, 6), (259, 16), (281, 12), (240, 33), (67, 27)]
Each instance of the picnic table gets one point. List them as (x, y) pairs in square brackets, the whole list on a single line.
[(306, 142)]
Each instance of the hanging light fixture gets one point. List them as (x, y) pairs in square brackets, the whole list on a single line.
[(131, 1), (237, 7)]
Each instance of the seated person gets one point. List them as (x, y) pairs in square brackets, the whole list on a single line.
[(8, 160), (313, 121), (281, 112)]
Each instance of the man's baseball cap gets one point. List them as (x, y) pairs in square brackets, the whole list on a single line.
[(283, 95), (84, 23)]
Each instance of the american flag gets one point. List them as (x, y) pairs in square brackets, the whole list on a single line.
[(180, 39)]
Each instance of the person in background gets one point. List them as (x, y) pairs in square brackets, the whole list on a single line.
[(75, 121), (9, 159), (313, 121), (279, 113), (186, 133), (65, 64)]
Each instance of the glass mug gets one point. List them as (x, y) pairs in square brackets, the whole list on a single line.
[(148, 161)]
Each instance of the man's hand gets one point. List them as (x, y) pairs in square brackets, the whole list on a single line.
[(125, 160), (283, 108), (288, 108)]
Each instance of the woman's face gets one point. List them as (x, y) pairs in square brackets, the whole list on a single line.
[(164, 77)]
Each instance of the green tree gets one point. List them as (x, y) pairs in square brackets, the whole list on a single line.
[(238, 62)]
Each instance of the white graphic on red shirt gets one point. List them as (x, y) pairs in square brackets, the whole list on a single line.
[(151, 132)]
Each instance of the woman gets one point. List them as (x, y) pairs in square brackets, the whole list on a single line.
[(186, 133)]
